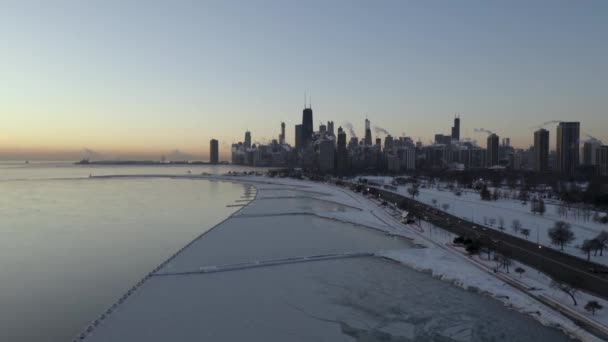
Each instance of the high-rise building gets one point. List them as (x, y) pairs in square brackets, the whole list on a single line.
[(214, 156), (326, 155), (591, 149), (322, 128), (388, 142), (298, 137), (456, 128), (307, 126), (330, 128), (342, 153), (602, 160), (368, 133), (282, 136), (541, 150), (443, 139), (492, 150), (568, 135), (247, 139)]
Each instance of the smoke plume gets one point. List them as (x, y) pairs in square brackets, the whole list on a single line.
[(593, 140), (379, 130), (91, 154), (547, 123), (350, 129), (483, 130)]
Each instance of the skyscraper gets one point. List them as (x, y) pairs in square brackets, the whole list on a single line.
[(591, 149), (322, 128), (298, 137), (388, 143), (568, 135), (541, 150), (492, 150), (368, 133), (330, 128), (247, 139), (456, 128), (307, 127), (342, 153), (214, 151), (602, 160), (282, 136)]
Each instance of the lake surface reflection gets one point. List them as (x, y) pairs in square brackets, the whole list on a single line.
[(70, 248)]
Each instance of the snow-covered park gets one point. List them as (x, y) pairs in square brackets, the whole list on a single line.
[(500, 215)]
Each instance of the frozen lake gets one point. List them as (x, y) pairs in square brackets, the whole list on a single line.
[(343, 299), (358, 299)]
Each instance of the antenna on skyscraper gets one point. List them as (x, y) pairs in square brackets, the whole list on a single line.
[(304, 100), (309, 101)]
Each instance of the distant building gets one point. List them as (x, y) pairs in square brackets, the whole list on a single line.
[(298, 137), (568, 135), (307, 126), (541, 150), (591, 150), (492, 150), (322, 128), (326, 154), (342, 153), (282, 136), (456, 128), (602, 160), (368, 133), (214, 152), (247, 139), (330, 128), (388, 143), (443, 139)]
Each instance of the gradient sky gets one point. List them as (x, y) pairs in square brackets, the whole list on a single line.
[(143, 78)]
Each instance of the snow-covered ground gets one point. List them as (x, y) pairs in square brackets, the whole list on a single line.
[(424, 248), (470, 206)]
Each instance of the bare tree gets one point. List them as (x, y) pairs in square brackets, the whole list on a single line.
[(492, 221), (501, 223), (561, 234), (520, 271), (525, 232), (502, 261), (541, 207), (413, 190), (485, 193), (445, 206), (516, 226), (593, 306), (434, 201), (602, 239), (569, 287), (587, 247)]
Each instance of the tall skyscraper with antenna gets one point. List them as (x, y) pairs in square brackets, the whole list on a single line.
[(368, 133), (307, 124)]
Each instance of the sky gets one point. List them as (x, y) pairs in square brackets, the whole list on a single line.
[(122, 78)]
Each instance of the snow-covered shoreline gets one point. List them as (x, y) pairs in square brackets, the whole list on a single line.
[(436, 260)]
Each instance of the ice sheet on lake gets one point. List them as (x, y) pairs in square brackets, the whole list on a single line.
[(246, 239), (294, 205), (362, 299)]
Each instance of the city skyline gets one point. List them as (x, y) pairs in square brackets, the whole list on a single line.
[(166, 79)]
